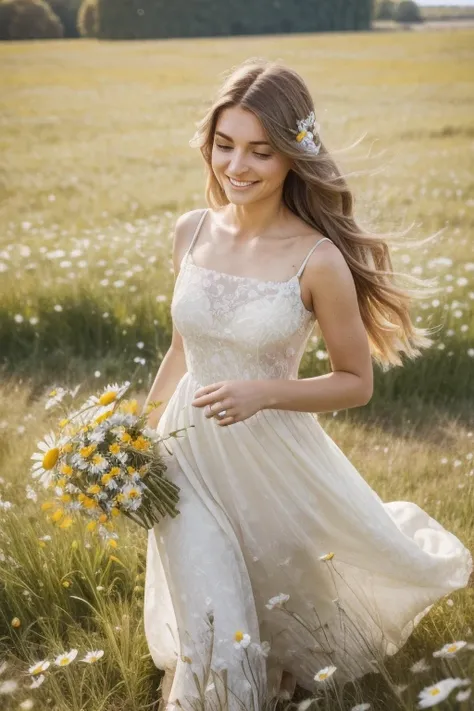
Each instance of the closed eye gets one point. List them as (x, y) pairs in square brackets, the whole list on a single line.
[(229, 148)]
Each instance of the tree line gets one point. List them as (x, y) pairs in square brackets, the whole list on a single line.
[(149, 19)]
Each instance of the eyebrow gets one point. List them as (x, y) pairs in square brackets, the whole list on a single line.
[(252, 143)]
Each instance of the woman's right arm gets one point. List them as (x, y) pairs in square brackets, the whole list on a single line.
[(173, 366)]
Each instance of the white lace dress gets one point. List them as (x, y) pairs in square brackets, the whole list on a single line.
[(261, 501)]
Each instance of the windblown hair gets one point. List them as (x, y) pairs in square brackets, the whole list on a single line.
[(317, 192)]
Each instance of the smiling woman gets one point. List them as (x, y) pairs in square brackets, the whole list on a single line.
[(272, 512)]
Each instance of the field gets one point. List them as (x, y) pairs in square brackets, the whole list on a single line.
[(96, 167)]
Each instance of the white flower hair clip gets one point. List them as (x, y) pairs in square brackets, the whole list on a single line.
[(308, 128)]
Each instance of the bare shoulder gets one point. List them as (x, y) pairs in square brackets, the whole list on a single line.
[(327, 271), (184, 229)]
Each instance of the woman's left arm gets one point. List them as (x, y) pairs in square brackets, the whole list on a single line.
[(350, 384)]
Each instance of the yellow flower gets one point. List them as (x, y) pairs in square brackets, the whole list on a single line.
[(87, 451), (115, 471), (42, 544), (301, 135), (112, 543), (94, 489), (103, 518), (238, 636), (66, 448), (91, 526), (50, 458), (141, 443), (103, 416), (114, 448), (129, 406), (63, 422), (66, 584), (66, 498), (88, 503), (125, 437), (107, 397), (47, 505), (66, 523), (114, 511), (66, 470), (16, 622), (57, 515), (74, 545)]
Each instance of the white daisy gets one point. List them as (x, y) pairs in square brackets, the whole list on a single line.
[(110, 394), (325, 673), (37, 682), (64, 659), (463, 695), (38, 667), (433, 695), (46, 459), (449, 650), (277, 601), (55, 396), (92, 657), (419, 666), (8, 687), (241, 640)]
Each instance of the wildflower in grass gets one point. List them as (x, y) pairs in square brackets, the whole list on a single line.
[(327, 556), (277, 601), (8, 686), (449, 650), (35, 683), (420, 666), (435, 694), (63, 660), (92, 657), (38, 667), (241, 640), (324, 674), (360, 707), (463, 695), (26, 705), (46, 458)]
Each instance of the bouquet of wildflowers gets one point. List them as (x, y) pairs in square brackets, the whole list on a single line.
[(104, 461)]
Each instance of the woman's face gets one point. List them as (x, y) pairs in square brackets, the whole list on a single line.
[(245, 165)]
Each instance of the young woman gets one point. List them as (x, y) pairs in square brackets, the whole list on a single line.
[(267, 497)]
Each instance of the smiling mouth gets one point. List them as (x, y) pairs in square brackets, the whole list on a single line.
[(241, 183)]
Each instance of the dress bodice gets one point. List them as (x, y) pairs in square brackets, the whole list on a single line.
[(238, 327)]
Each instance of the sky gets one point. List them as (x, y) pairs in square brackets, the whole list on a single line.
[(463, 3)]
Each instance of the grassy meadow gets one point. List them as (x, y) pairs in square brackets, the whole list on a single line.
[(95, 169)]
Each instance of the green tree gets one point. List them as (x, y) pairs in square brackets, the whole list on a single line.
[(407, 11), (67, 11), (385, 10), (87, 19), (28, 19)]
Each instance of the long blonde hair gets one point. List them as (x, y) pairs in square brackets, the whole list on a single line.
[(317, 192)]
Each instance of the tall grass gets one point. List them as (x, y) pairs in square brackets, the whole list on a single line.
[(96, 168)]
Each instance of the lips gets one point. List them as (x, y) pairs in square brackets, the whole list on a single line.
[(241, 183)]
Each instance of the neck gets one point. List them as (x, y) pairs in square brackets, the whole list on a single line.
[(258, 218)]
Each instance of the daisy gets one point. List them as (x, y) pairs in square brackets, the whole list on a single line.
[(46, 459), (325, 673), (111, 394), (449, 650), (419, 666), (8, 687), (64, 659), (433, 695), (277, 601), (92, 657), (242, 640), (39, 667), (463, 695), (55, 396), (37, 682)]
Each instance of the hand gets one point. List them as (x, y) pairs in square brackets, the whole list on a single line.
[(240, 398)]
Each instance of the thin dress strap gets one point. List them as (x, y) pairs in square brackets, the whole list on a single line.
[(196, 232), (300, 271)]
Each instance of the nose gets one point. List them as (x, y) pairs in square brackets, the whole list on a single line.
[(237, 164)]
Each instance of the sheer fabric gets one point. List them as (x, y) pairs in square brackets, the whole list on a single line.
[(261, 501)]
